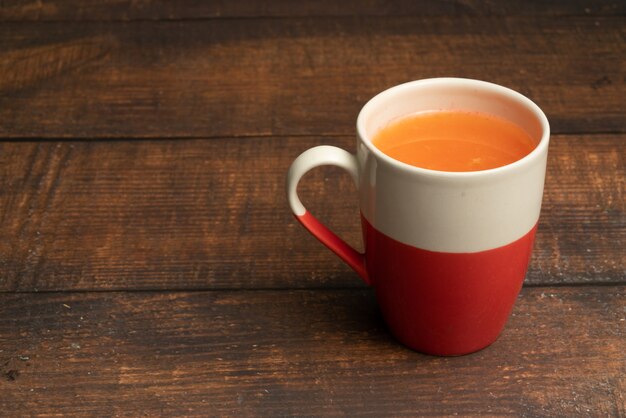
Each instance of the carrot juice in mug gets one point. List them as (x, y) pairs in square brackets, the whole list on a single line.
[(454, 141)]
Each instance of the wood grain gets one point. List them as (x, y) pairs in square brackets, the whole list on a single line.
[(54, 10), (144, 144), (301, 353), (196, 214), (258, 77)]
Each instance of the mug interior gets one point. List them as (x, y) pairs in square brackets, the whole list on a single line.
[(451, 94)]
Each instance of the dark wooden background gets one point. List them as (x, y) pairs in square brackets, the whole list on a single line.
[(149, 264)]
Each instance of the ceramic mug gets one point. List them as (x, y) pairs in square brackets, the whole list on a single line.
[(446, 252)]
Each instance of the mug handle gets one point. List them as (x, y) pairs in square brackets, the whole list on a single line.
[(309, 159)]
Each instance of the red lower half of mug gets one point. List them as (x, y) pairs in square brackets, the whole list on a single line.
[(445, 303)]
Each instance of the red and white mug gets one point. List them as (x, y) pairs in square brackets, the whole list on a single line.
[(446, 252)]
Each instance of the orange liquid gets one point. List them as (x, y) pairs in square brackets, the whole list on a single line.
[(454, 141)]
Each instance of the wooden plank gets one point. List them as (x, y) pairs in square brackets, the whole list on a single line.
[(303, 353), (55, 10), (212, 214), (251, 77)]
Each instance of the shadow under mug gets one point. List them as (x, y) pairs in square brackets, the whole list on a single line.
[(446, 252)]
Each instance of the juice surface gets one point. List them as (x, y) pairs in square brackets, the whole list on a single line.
[(454, 141)]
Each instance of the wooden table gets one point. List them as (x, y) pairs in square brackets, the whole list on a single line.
[(149, 264)]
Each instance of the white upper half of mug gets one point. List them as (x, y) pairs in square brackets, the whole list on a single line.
[(459, 212)]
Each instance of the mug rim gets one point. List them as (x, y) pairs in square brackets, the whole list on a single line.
[(539, 149)]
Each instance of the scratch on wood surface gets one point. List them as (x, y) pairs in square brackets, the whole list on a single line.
[(620, 391), (24, 67)]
